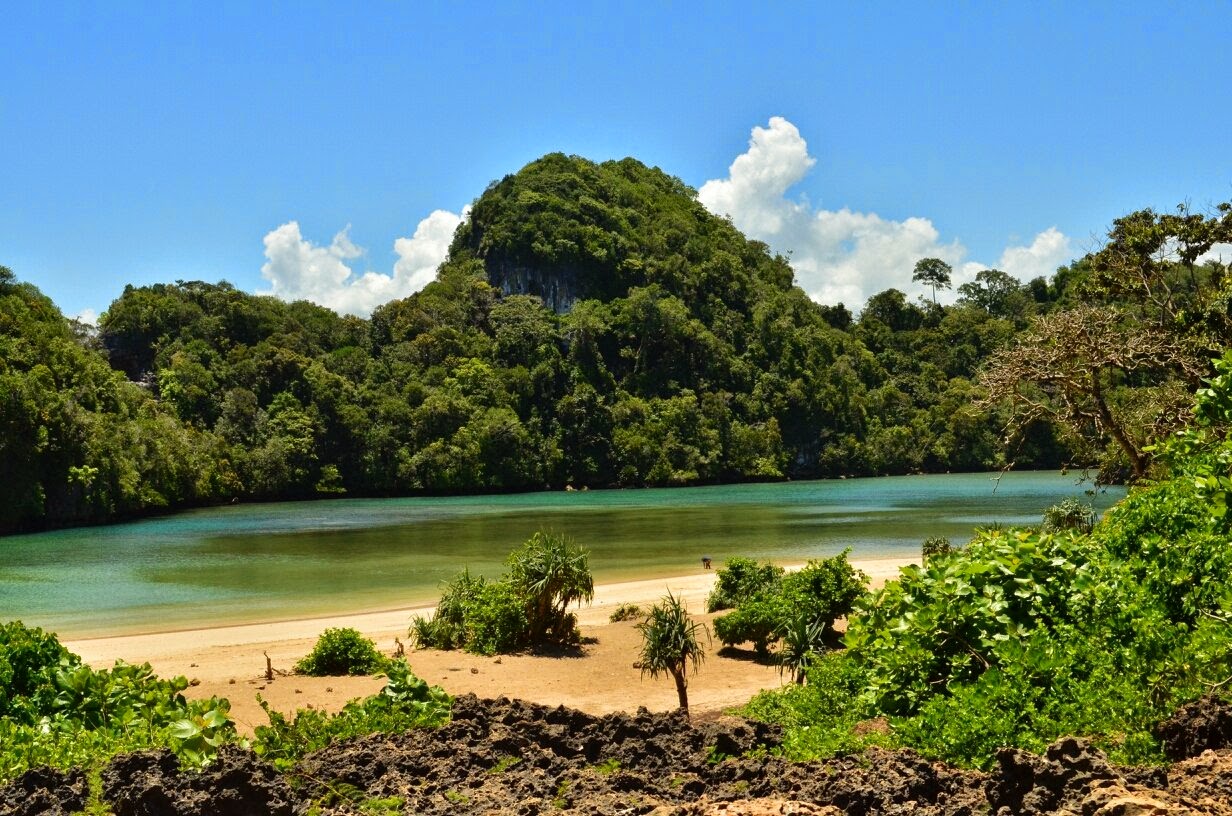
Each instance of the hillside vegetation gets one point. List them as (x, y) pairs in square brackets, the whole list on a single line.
[(594, 325)]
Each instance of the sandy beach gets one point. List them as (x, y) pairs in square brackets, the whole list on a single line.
[(229, 661)]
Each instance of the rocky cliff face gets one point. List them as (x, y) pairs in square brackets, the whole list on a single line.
[(558, 289)]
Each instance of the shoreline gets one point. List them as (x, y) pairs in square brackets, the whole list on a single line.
[(230, 660), (691, 587)]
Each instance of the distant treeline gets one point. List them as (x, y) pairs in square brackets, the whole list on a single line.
[(593, 325)]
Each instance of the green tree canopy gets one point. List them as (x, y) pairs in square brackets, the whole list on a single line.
[(932, 272)]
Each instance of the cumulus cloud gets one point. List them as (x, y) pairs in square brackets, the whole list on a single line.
[(1221, 253), (298, 269), (1050, 249), (843, 255), (422, 253), (87, 317)]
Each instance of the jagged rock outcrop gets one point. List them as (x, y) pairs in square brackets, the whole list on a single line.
[(237, 783), (44, 792), (509, 756)]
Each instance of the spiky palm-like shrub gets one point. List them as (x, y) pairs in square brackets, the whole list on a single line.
[(671, 642), (551, 572)]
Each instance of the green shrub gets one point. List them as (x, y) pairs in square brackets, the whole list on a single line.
[(446, 629), (550, 572), (821, 716), (755, 621), (63, 713), (496, 621), (941, 624), (808, 600), (1069, 514), (625, 612), (526, 607), (29, 659), (935, 547), (1054, 685), (826, 590), (341, 652), (405, 702), (740, 580)]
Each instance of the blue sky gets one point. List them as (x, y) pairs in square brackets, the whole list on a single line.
[(149, 143)]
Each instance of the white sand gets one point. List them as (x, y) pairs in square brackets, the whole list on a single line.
[(229, 661)]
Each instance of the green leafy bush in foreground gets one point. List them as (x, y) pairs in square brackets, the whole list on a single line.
[(29, 658), (405, 702), (1025, 636), (62, 713), (821, 716), (342, 651)]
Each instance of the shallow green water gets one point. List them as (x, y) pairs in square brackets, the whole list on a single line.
[(279, 561)]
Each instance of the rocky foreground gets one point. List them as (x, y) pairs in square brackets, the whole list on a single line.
[(508, 756)]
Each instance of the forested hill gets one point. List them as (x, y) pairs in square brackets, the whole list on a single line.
[(593, 325)]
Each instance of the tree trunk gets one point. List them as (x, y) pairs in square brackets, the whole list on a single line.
[(682, 689), (1137, 459)]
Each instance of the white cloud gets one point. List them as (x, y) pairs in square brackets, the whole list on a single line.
[(1050, 249), (297, 269), (842, 255), (1218, 252), (87, 317), (422, 253)]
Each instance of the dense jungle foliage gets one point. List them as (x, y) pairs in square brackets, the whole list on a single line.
[(594, 325), (1023, 636)]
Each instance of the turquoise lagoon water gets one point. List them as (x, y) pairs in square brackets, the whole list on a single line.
[(279, 561)]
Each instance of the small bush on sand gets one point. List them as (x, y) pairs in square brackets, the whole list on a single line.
[(808, 601), (342, 651), (626, 612)]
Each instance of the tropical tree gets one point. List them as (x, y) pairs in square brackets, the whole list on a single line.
[(932, 272), (1074, 368), (998, 294), (551, 572), (671, 643), (1162, 264)]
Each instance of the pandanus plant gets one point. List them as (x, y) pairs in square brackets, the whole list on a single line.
[(552, 573), (671, 643)]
